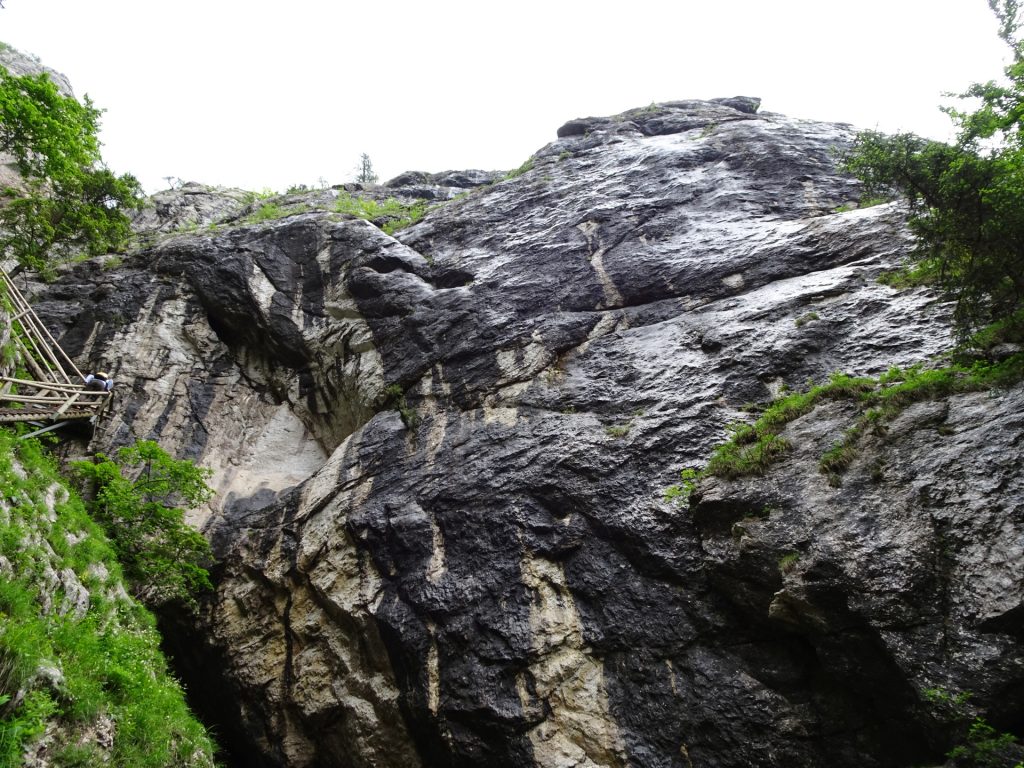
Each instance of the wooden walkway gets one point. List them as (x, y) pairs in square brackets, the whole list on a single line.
[(54, 390)]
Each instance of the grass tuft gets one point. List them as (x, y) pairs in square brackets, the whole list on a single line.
[(751, 448)]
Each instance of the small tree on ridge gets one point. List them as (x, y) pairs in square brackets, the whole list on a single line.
[(364, 171)]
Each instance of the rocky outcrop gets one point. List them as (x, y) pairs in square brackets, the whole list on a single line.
[(441, 458), (905, 578), (20, 64)]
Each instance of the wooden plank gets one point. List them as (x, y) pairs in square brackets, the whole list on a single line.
[(16, 416), (27, 398), (44, 384), (68, 404), (39, 333), (28, 358), (85, 399)]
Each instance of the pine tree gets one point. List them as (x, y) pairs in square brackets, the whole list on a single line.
[(364, 171)]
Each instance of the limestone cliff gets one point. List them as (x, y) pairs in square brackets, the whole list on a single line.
[(441, 457)]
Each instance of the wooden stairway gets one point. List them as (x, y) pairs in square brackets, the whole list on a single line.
[(54, 390)]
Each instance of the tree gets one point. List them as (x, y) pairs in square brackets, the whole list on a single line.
[(68, 200), (364, 171), (966, 199), (138, 498)]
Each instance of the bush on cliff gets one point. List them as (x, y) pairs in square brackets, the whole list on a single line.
[(138, 498), (965, 198), (68, 202)]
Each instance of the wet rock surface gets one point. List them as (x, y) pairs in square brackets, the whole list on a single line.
[(484, 571)]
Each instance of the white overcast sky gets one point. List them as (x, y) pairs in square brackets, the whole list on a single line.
[(259, 94)]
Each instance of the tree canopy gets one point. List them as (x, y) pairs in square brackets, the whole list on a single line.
[(966, 199), (68, 200)]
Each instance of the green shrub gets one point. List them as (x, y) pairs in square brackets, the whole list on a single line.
[(142, 514), (985, 747), (393, 398), (391, 215), (527, 166), (733, 459), (273, 211), (252, 197), (680, 493), (752, 448), (788, 562), (965, 197)]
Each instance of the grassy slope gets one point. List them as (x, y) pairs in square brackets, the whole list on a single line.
[(82, 676)]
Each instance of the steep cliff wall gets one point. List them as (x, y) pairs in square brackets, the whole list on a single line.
[(441, 458)]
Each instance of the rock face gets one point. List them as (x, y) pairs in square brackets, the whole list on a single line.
[(441, 459), (19, 64)]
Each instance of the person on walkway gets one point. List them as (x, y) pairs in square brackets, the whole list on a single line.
[(99, 382)]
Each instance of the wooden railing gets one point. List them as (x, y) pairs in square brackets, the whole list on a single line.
[(56, 390)]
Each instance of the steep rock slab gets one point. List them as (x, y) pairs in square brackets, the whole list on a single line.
[(240, 348), (904, 579), (566, 340)]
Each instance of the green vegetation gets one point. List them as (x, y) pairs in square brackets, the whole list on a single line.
[(964, 198), (68, 201), (393, 399), (141, 513), (806, 318), (908, 276), (391, 215), (752, 448), (983, 746), (788, 562), (867, 201), (266, 212), (618, 430), (680, 492), (255, 197), (80, 661), (527, 166)]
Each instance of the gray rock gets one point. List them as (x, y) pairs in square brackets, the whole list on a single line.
[(904, 579), (189, 207), (20, 64), (441, 459)]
